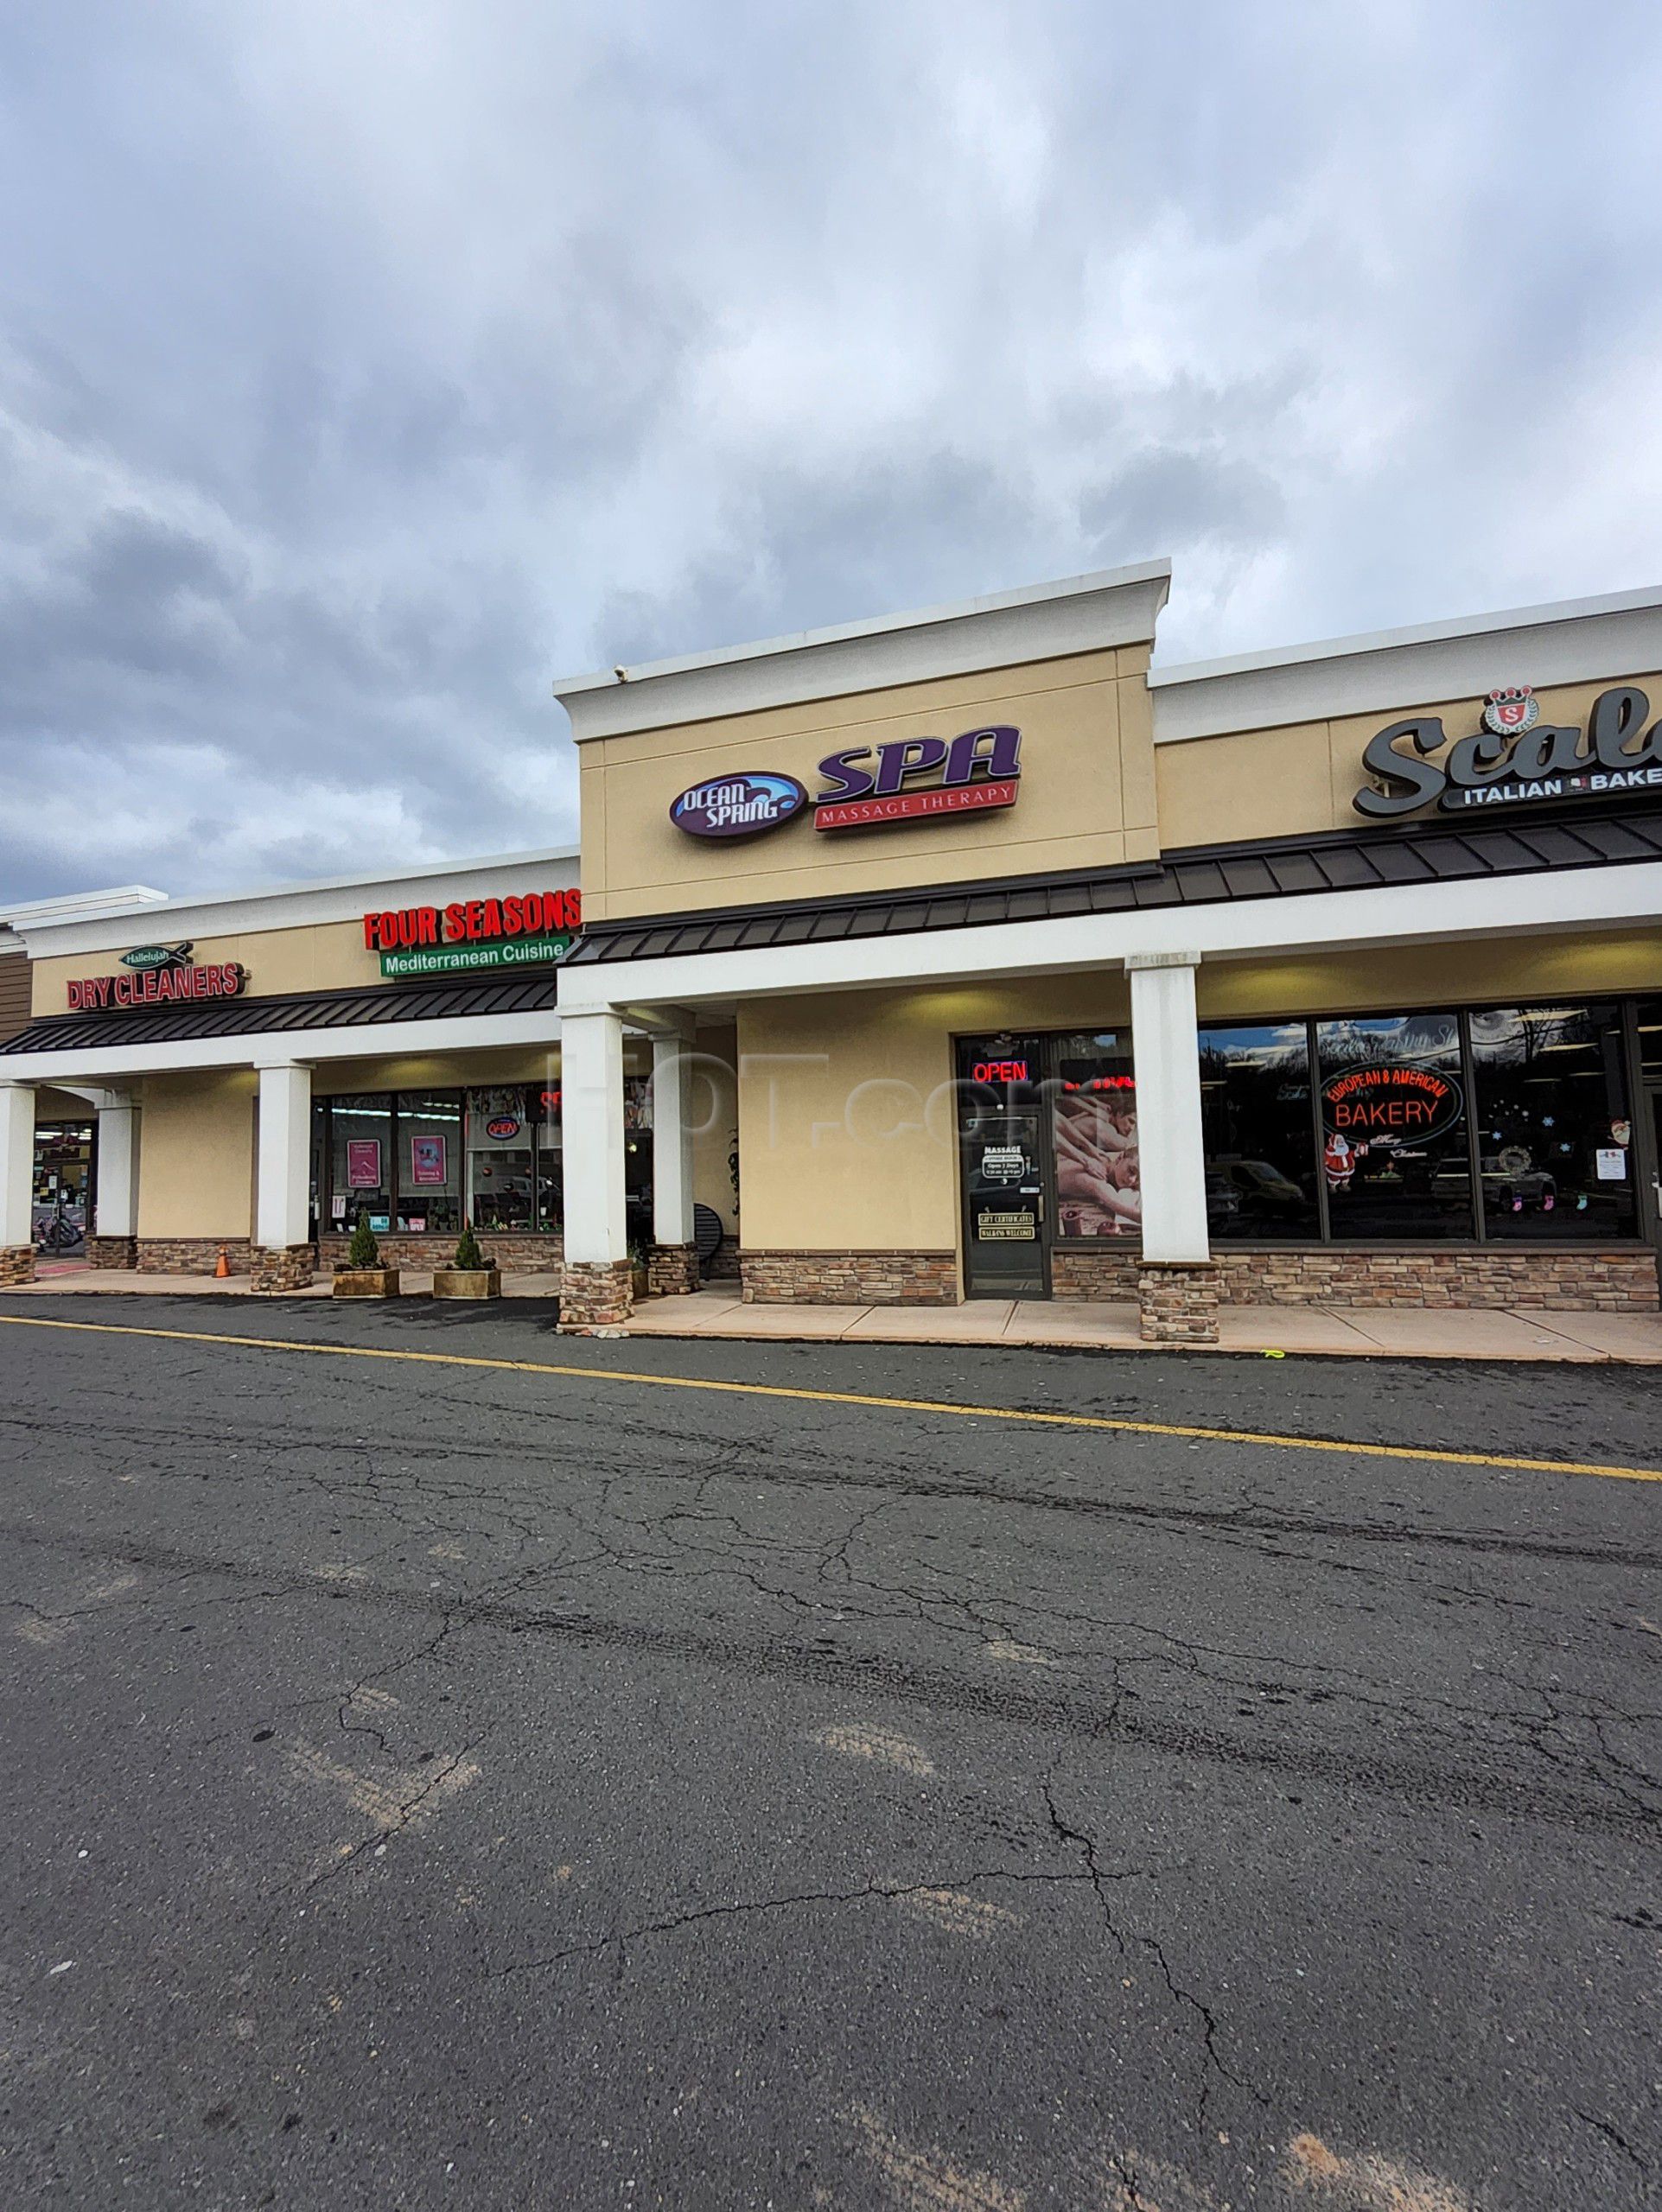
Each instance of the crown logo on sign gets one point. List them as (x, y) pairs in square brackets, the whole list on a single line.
[(1513, 708)]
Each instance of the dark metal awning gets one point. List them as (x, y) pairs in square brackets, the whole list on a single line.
[(369, 1007), (1197, 876)]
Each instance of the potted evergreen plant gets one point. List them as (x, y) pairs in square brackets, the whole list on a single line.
[(472, 1274), (361, 1274)]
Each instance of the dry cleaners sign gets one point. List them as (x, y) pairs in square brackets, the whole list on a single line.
[(866, 787), (1515, 759)]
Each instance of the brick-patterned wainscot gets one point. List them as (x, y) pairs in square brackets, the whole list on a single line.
[(1106, 1273), (671, 1269), (1481, 1278), (596, 1294), (16, 1264), (849, 1278), (1177, 1302), (514, 1255), (284, 1267), (114, 1251), (191, 1255)]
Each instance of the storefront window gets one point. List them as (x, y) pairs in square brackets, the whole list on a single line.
[(1650, 1039), (430, 1161), (1260, 1144), (1093, 1126), (361, 1161), (551, 1186), (637, 1157), (1393, 1120), (1555, 1134), (501, 1138)]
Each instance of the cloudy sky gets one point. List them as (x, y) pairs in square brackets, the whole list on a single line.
[(365, 366)]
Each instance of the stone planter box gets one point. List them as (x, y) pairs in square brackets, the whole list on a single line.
[(466, 1282), (365, 1283)]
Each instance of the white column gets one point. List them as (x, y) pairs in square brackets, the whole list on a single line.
[(671, 1142), (16, 1166), (1166, 1050), (591, 1093), (116, 1211), (282, 1186)]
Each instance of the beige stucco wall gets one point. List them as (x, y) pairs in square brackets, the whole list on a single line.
[(1302, 776), (323, 956), (1087, 796), (1501, 970), (714, 1108), (196, 1154), (846, 1123)]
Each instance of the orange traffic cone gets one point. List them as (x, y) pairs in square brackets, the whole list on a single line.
[(224, 1266)]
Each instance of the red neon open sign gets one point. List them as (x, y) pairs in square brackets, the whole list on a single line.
[(999, 1072)]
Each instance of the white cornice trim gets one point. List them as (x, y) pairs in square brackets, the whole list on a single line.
[(374, 1040), (78, 905), (1114, 607), (1577, 640), (300, 906)]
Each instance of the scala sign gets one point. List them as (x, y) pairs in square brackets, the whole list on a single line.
[(867, 787), (1515, 759), (470, 934), (1391, 1101)]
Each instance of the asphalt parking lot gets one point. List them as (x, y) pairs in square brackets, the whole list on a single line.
[(437, 1784)]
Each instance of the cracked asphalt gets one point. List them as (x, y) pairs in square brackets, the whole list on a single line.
[(438, 1786)]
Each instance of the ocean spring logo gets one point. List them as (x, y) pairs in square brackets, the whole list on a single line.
[(738, 806)]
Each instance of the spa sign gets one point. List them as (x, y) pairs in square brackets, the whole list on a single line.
[(866, 787), (1514, 759)]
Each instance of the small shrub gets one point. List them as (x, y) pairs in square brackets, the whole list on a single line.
[(468, 1254), (364, 1251)]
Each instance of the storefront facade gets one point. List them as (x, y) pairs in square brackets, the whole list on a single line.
[(254, 1072), (1329, 975)]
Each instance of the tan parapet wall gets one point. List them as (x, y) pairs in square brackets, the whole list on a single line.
[(1297, 777), (319, 957), (1087, 792), (196, 1157), (847, 1125)]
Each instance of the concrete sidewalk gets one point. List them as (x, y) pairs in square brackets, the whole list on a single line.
[(1393, 1333), (1375, 1333)]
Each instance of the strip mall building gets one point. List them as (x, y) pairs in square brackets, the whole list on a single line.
[(954, 956)]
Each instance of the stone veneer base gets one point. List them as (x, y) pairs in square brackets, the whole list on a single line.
[(114, 1251), (1177, 1302), (515, 1255), (16, 1264), (284, 1267), (1482, 1278), (671, 1270), (191, 1255), (595, 1294), (849, 1278)]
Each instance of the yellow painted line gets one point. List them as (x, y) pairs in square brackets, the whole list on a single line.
[(1023, 1413)]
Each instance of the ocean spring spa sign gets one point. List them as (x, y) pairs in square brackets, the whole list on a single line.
[(1515, 759), (866, 787)]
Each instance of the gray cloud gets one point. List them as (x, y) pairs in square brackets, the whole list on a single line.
[(358, 376)]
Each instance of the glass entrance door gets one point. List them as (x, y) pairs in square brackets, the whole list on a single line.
[(1002, 1169), (1654, 1099)]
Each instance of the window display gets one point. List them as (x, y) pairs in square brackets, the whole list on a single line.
[(1093, 1128), (1259, 1138), (430, 1161), (500, 1160), (1554, 1132), (361, 1160), (1394, 1154)]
